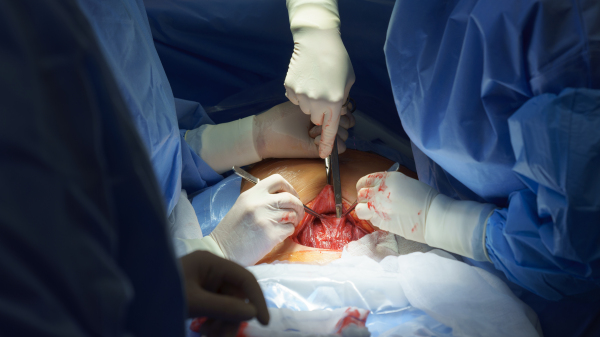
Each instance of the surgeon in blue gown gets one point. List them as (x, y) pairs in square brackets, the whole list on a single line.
[(189, 152), (501, 100), (84, 248)]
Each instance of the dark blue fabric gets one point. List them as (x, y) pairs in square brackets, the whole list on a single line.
[(195, 173), (232, 56), (552, 228), (190, 115), (122, 29), (83, 241), (501, 100)]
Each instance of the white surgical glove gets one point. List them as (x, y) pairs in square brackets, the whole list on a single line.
[(285, 132), (262, 217), (280, 132), (414, 210), (224, 145), (320, 74)]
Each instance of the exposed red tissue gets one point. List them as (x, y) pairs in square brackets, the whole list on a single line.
[(329, 232)]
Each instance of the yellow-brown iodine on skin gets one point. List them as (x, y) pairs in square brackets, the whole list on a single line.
[(308, 177)]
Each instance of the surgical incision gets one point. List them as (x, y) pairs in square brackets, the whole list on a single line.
[(329, 232)]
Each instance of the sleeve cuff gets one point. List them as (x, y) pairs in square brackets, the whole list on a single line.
[(225, 145), (458, 226), (207, 243)]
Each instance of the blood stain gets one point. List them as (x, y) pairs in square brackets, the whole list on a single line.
[(329, 232)]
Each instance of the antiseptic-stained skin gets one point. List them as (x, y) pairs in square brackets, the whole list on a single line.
[(308, 178)]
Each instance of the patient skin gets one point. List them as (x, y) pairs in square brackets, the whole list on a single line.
[(308, 178)]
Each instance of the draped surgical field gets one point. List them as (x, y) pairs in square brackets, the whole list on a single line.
[(321, 240)]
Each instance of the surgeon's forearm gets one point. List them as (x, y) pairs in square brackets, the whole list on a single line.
[(223, 145)]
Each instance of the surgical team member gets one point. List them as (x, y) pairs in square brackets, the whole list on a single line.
[(320, 74), (501, 100), (84, 249), (189, 153)]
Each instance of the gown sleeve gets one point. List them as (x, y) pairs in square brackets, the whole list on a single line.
[(196, 174), (548, 238)]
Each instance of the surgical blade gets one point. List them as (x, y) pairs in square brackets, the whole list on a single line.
[(244, 174), (335, 179)]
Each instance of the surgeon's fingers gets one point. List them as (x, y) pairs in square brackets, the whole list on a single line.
[(370, 180), (291, 95), (364, 211), (276, 184), (329, 132), (289, 218), (347, 121), (341, 144), (315, 132), (214, 273), (244, 279), (289, 203), (365, 194)]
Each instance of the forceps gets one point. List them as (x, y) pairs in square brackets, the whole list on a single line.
[(244, 174), (394, 168)]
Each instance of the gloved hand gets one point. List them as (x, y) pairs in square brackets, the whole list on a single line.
[(218, 289), (280, 132), (320, 74), (414, 210), (262, 217), (285, 132)]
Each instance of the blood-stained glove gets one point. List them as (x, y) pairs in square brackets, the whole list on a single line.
[(262, 217), (223, 292), (412, 209), (320, 74)]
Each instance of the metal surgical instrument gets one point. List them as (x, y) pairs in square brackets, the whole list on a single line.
[(244, 174)]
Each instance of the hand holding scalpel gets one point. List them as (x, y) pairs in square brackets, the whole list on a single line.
[(244, 174)]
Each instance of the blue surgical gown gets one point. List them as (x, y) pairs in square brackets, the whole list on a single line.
[(84, 249), (501, 100), (122, 30)]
